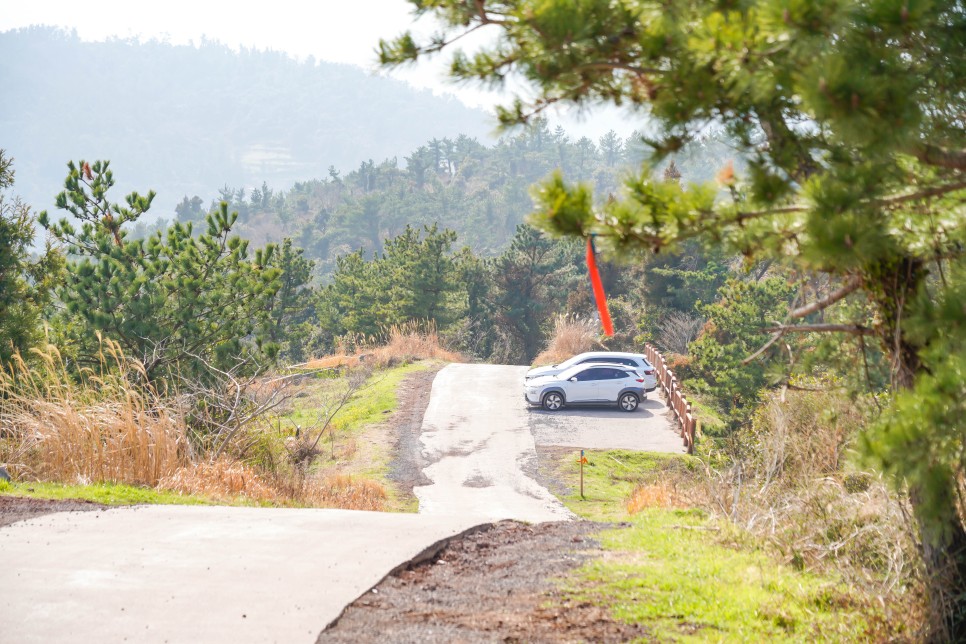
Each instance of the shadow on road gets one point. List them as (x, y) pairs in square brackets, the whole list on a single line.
[(599, 412)]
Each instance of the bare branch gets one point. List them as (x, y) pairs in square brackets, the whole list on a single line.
[(852, 329), (640, 71), (937, 191), (940, 157), (849, 287), (755, 214), (774, 338)]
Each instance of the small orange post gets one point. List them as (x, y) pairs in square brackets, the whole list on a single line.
[(582, 462)]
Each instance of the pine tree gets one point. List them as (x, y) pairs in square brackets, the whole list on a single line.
[(531, 281), (291, 308), (25, 283), (181, 303), (850, 116)]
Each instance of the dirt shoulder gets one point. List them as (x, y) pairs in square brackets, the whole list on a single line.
[(406, 465), (18, 508), (493, 585)]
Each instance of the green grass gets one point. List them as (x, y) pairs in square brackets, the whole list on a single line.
[(368, 407), (711, 424), (610, 477), (687, 577), (106, 493), (669, 572), (376, 398)]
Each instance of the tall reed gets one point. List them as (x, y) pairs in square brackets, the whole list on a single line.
[(96, 428), (571, 335)]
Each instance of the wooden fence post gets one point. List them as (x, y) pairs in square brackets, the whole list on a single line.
[(677, 401)]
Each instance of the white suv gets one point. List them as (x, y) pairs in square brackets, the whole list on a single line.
[(635, 360), (594, 383)]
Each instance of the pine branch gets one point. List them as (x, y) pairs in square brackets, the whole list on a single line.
[(852, 329), (940, 157), (774, 338), (850, 287), (936, 191)]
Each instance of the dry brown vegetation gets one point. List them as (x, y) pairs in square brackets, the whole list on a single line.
[(399, 344), (793, 489), (102, 430), (660, 494), (101, 427), (571, 335), (797, 491)]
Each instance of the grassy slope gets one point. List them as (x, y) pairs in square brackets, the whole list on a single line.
[(362, 414), (688, 577), (357, 423)]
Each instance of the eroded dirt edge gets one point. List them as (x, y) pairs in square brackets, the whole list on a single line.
[(497, 584)]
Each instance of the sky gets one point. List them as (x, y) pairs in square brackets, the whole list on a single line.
[(343, 31)]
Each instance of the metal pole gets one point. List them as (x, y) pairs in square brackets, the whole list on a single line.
[(582, 461)]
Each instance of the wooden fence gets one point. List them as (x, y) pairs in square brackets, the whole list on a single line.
[(675, 397)]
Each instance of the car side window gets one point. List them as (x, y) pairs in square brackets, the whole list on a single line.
[(593, 374), (618, 374)]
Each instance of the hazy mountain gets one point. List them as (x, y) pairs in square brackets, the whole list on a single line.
[(184, 120)]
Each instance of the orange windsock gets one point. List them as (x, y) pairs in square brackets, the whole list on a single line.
[(598, 287)]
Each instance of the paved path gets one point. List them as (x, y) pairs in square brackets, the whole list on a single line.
[(480, 436), (217, 574), (197, 574), (647, 429), (476, 435)]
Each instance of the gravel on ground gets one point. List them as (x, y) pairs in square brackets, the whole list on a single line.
[(18, 508), (406, 466), (495, 585)]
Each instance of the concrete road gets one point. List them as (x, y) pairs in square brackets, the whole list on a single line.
[(216, 574), (480, 436), (648, 429), (198, 574), (476, 436)]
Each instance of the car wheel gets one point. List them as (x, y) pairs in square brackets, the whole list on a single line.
[(553, 401), (628, 402)]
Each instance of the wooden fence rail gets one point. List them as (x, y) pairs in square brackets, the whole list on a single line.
[(675, 397)]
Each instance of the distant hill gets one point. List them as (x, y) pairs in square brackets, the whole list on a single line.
[(184, 120)]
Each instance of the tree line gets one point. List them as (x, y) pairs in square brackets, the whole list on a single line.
[(480, 192)]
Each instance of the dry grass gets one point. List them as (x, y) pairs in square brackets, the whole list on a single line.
[(793, 490), (347, 492), (398, 344), (228, 480), (409, 342), (223, 479), (102, 430), (656, 495), (335, 361), (101, 427), (571, 335)]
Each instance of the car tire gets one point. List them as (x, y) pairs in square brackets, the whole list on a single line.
[(553, 401), (628, 401)]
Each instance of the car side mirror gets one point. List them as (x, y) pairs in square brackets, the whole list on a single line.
[(574, 379)]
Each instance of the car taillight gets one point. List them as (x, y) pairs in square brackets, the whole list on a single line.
[(649, 373), (640, 380)]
